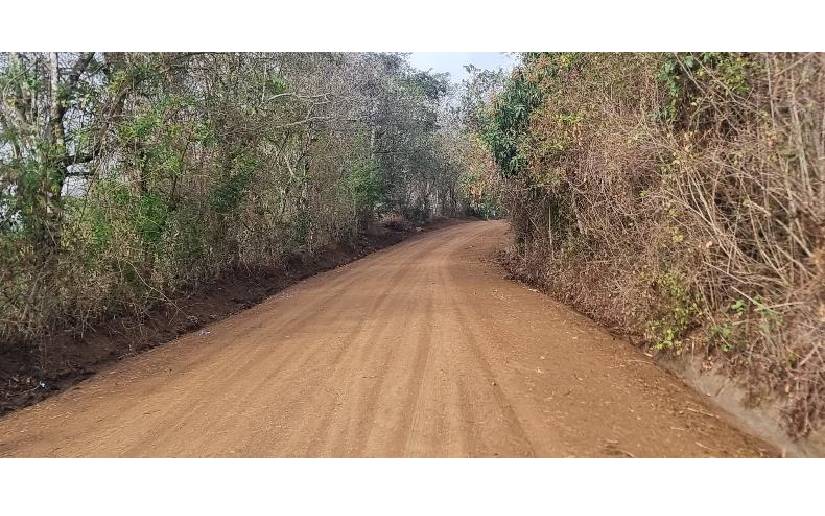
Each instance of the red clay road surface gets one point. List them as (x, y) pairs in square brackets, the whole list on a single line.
[(422, 349)]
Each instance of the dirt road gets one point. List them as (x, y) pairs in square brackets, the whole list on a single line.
[(422, 349)]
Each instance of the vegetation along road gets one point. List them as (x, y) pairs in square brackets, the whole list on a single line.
[(422, 349)]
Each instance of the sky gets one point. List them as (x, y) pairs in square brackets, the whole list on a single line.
[(454, 62)]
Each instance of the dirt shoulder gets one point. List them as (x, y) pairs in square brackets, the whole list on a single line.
[(27, 376)]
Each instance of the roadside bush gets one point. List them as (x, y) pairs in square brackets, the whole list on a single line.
[(679, 197), (126, 179)]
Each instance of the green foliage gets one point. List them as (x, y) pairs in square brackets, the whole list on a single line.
[(739, 307), (476, 92), (159, 142), (671, 78), (482, 202), (730, 334), (275, 85), (678, 312), (487, 207), (432, 86), (686, 78), (36, 204), (151, 217), (503, 128), (743, 317), (14, 76), (230, 188), (722, 336), (138, 129), (192, 238), (365, 186), (93, 226)]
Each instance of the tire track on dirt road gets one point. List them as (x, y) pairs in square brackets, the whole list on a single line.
[(422, 349)]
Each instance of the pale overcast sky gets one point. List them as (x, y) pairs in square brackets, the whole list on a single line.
[(454, 62)]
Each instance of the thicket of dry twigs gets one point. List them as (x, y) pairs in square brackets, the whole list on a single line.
[(681, 198), (129, 178)]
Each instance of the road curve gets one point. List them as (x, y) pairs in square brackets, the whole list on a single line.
[(422, 349)]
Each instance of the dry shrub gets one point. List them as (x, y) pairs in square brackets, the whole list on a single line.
[(750, 195), (192, 167), (681, 199)]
